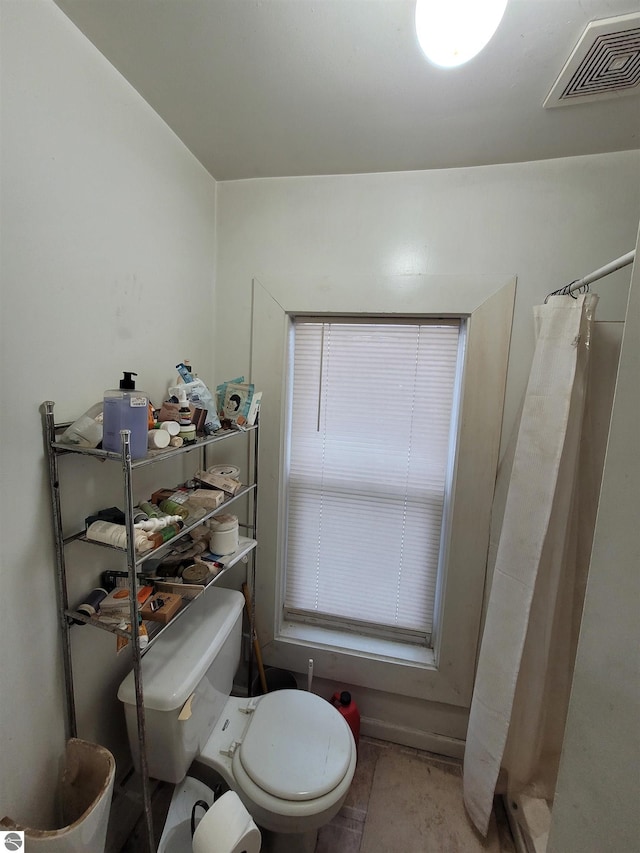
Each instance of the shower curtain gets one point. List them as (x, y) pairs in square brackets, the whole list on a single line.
[(541, 549)]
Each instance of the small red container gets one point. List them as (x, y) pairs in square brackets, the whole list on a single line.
[(349, 710)]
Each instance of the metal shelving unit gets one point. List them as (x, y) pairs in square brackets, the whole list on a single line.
[(68, 617)]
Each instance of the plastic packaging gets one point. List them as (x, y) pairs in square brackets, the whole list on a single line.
[(126, 408), (349, 710), (87, 430), (199, 396)]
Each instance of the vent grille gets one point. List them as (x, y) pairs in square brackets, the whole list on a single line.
[(604, 64)]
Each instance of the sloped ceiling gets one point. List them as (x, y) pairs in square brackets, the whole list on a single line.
[(259, 88)]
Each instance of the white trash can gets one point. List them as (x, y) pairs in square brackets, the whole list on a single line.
[(84, 803)]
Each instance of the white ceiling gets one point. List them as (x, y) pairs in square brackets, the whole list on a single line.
[(260, 88)]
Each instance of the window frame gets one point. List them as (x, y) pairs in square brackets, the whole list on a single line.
[(406, 636), (444, 674)]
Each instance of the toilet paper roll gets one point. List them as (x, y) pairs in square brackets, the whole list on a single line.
[(227, 828)]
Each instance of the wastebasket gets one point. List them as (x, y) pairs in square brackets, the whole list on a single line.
[(277, 679), (84, 801)]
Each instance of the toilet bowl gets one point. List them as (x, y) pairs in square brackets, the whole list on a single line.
[(289, 758), (290, 755)]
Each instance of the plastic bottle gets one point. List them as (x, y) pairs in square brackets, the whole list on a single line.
[(126, 408), (349, 710)]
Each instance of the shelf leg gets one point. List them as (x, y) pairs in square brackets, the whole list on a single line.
[(125, 447), (71, 730)]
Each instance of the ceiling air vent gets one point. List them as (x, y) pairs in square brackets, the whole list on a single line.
[(604, 64)]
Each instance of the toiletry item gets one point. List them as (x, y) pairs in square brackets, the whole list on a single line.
[(161, 607), (150, 509), (196, 573), (172, 506), (143, 636), (111, 579), (116, 536), (158, 439), (159, 537), (118, 602), (185, 372), (172, 427), (199, 397), (176, 441), (184, 411), (214, 481), (151, 525), (225, 471), (187, 433), (87, 430), (208, 498), (91, 603), (224, 534), (126, 408)]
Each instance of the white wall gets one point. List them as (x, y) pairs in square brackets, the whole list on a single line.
[(596, 803), (547, 222), (108, 253), (108, 264)]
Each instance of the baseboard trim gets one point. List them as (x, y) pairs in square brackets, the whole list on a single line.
[(425, 741)]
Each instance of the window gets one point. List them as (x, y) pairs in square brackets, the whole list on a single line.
[(436, 675), (371, 436)]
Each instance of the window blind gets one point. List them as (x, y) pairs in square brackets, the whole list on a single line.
[(369, 443)]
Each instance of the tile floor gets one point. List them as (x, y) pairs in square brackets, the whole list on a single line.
[(401, 801), (406, 801)]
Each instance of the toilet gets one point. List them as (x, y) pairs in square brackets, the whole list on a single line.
[(290, 755)]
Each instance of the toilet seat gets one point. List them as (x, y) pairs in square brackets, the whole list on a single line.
[(296, 747), (224, 753)]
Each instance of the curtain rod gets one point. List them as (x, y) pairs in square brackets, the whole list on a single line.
[(607, 269)]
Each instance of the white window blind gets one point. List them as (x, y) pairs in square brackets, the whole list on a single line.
[(369, 448)]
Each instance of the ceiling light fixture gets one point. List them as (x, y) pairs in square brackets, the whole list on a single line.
[(451, 32)]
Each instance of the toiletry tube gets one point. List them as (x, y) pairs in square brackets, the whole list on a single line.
[(227, 827), (116, 535), (158, 439)]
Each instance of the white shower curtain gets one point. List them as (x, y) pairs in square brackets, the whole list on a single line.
[(541, 554)]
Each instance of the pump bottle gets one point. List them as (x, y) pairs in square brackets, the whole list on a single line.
[(126, 408)]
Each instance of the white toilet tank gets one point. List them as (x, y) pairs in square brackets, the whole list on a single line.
[(187, 676)]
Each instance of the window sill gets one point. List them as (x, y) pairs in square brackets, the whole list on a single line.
[(357, 645)]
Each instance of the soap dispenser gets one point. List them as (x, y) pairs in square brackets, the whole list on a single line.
[(126, 408)]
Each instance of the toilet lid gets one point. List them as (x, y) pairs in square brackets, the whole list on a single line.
[(297, 745)]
